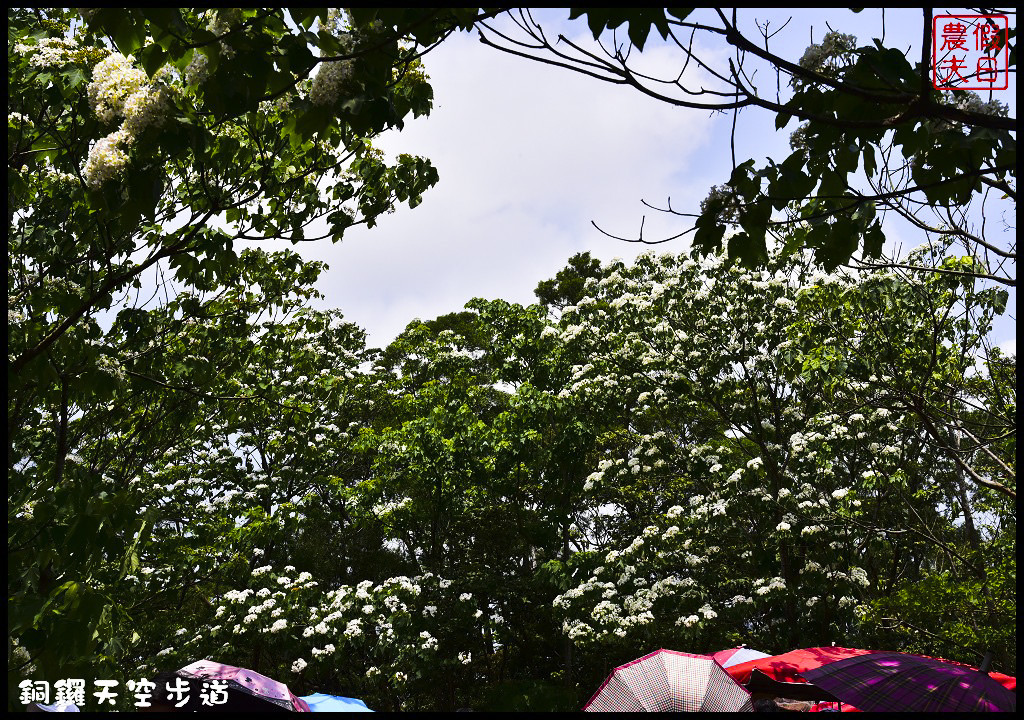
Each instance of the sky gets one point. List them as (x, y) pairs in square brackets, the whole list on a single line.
[(528, 155)]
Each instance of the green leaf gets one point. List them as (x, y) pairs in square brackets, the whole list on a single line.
[(152, 58), (1000, 298)]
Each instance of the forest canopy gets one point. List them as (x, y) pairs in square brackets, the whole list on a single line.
[(506, 501)]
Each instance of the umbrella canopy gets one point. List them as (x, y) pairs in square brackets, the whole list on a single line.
[(737, 655), (789, 667), (321, 702), (253, 689), (889, 681), (53, 707), (667, 681)]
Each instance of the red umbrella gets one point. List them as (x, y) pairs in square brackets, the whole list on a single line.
[(737, 655), (789, 666)]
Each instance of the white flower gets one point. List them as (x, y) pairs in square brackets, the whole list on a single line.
[(329, 81), (674, 511), (465, 658), (165, 651), (48, 52), (106, 159), (464, 597), (299, 665), (755, 463), (115, 79), (840, 493), (198, 69), (144, 108), (279, 625), (372, 672)]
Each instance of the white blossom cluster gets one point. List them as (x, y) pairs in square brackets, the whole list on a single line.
[(332, 77), (378, 618), (49, 52), (120, 90)]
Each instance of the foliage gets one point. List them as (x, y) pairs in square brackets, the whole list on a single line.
[(874, 135), (142, 146), (507, 501), (774, 478)]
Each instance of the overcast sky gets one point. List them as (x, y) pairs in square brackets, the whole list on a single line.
[(529, 155)]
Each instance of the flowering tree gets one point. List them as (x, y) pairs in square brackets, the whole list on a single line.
[(772, 477), (143, 146), (504, 502)]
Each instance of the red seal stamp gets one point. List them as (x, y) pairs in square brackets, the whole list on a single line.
[(970, 52)]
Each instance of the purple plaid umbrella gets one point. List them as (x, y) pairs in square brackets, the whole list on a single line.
[(891, 681), (256, 691), (670, 681)]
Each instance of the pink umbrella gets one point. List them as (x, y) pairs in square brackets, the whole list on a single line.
[(273, 694), (670, 681)]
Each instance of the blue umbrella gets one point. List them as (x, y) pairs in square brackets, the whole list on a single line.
[(319, 702)]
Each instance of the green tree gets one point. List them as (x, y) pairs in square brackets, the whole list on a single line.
[(771, 480), (143, 146)]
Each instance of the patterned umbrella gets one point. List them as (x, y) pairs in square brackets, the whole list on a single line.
[(890, 681), (670, 681), (268, 694), (735, 656)]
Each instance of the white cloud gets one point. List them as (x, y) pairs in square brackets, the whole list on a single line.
[(527, 156)]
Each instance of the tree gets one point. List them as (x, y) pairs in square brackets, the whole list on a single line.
[(143, 146), (771, 482), (862, 109)]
